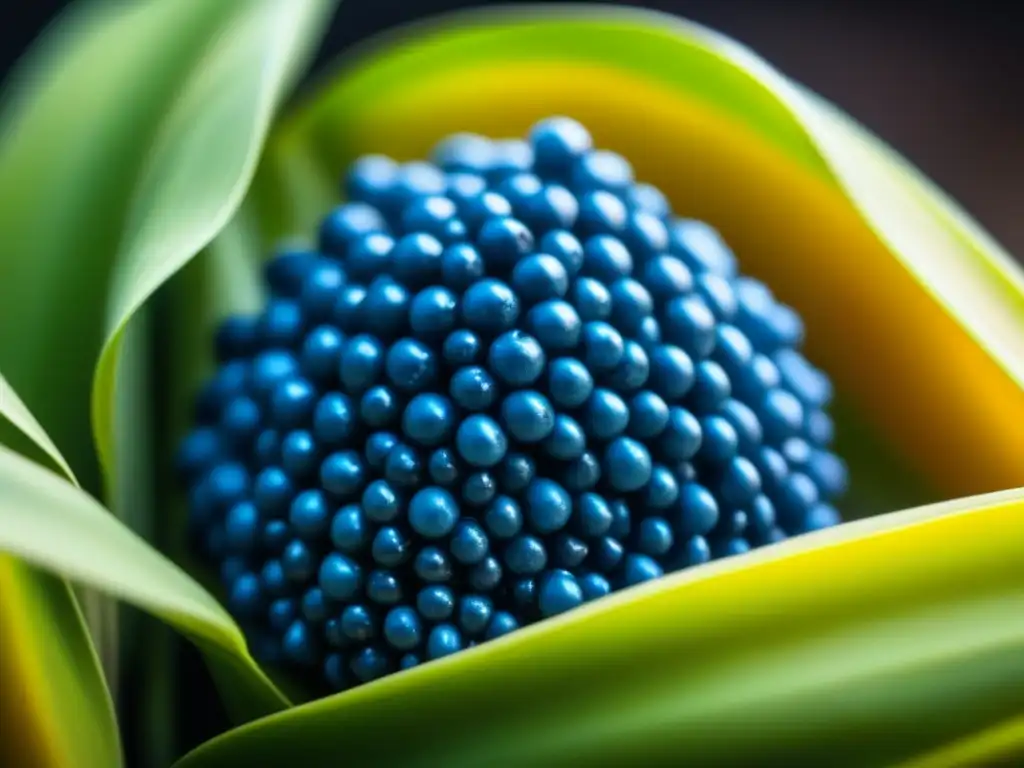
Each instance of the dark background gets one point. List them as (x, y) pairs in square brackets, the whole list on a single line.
[(943, 82)]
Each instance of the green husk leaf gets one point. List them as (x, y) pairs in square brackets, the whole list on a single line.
[(58, 709), (53, 525), (862, 645)]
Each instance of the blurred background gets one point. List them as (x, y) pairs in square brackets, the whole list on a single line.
[(942, 80)]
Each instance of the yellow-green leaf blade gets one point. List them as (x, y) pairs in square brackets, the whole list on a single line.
[(55, 526), (860, 645)]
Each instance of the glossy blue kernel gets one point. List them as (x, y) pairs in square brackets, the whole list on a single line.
[(828, 472), (601, 169), (346, 224), (200, 449), (292, 403), (334, 418), (489, 306), (781, 415), (646, 234), (433, 565), (582, 474), (475, 613), (464, 152), (380, 502), (479, 489), (559, 592), (269, 368), (242, 527), (228, 484), (362, 363), (402, 628), (433, 313), (592, 299), (403, 468), (640, 568), (569, 383), (627, 465), (518, 188), (320, 289), (281, 324), (568, 552), (297, 562), (370, 664), (433, 513), (313, 606), (633, 369), (594, 586), (718, 294), (564, 246), (369, 178), (548, 506), (411, 365), (409, 660), (434, 215), (502, 623), (469, 543), (819, 428), (516, 472), (527, 416), (416, 260), (511, 156), (384, 587), (648, 415), (711, 387), (267, 448), (662, 490), (390, 547), (369, 257), (719, 440), (607, 259), (350, 530), (276, 534), (553, 208), (631, 303), (818, 517), (655, 537), (557, 143), (321, 353), (428, 419), (486, 576), (739, 484), (379, 407), (298, 644), (567, 440), (442, 467), (481, 441), (601, 213), (240, 421), (503, 518), (340, 577), (688, 323), (473, 388), (461, 347), (444, 640), (672, 372), (603, 346), (478, 209), (309, 514), (272, 579), (358, 624), (348, 314), (503, 242), (377, 449), (526, 555), (593, 517), (299, 454), (540, 277), (697, 511), (555, 324), (245, 595), (386, 308), (285, 271), (605, 415), (516, 358), (701, 247), (461, 266), (435, 603), (336, 672)]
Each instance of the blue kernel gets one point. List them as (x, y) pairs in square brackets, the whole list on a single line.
[(390, 547), (444, 640), (631, 303), (740, 483), (648, 335), (357, 624), (511, 156), (197, 453), (235, 338), (733, 350), (672, 372), (435, 603), (350, 531), (403, 468), (242, 527), (819, 428), (473, 388), (469, 543), (297, 644), (640, 568), (284, 272), (698, 510), (567, 440), (526, 555), (478, 209), (601, 169), (829, 473), (402, 628), (540, 277), (516, 472), (442, 467), (711, 387), (701, 247), (479, 489), (314, 606), (627, 465), (559, 592), (362, 363), (321, 353), (719, 296), (622, 519), (348, 315), (797, 452), (347, 223), (503, 242), (380, 502), (267, 450), (386, 308), (297, 562), (292, 403), (555, 324), (480, 441), (369, 178), (667, 278), (594, 586), (383, 587), (370, 664), (569, 382), (605, 415), (818, 517), (688, 323), (464, 152), (245, 596), (240, 420), (433, 565), (434, 215), (333, 418), (516, 358), (369, 257), (593, 516), (558, 142), (503, 518), (528, 416), (502, 623), (719, 440), (299, 454), (461, 347), (309, 514), (281, 324), (603, 346), (433, 313), (416, 260), (564, 246), (276, 534), (409, 660), (518, 188), (568, 552), (548, 506), (486, 575), (411, 365), (772, 467), (592, 299), (646, 234), (428, 419), (745, 422), (648, 415), (377, 449), (228, 484), (489, 306), (336, 672), (633, 369), (475, 614), (607, 259), (269, 368), (272, 579), (378, 407), (340, 577), (461, 266), (552, 208), (582, 474), (320, 289), (696, 551), (662, 490), (601, 213), (433, 513), (761, 516), (797, 494), (782, 416), (655, 537)]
